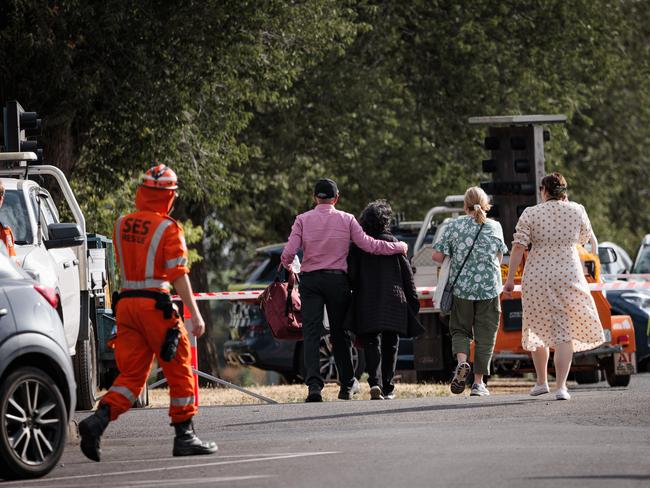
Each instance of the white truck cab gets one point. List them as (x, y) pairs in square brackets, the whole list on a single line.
[(29, 210)]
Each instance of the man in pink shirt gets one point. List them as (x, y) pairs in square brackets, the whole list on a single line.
[(324, 235)]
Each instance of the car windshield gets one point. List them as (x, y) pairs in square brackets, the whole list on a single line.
[(14, 214), (262, 269), (642, 264)]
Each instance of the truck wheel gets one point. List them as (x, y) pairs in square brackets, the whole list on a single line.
[(34, 424), (86, 371), (616, 379), (587, 377)]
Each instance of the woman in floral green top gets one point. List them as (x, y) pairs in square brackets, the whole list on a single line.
[(476, 307)]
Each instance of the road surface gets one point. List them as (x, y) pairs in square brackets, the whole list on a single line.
[(601, 438)]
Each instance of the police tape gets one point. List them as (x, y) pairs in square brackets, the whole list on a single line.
[(423, 291), (224, 295)]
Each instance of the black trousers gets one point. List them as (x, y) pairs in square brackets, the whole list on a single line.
[(381, 359), (319, 289)]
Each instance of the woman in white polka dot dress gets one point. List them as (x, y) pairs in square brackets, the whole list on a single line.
[(558, 310)]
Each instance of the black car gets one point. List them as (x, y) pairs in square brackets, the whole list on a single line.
[(252, 344)]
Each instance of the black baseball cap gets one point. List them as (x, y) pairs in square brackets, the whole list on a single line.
[(325, 189)]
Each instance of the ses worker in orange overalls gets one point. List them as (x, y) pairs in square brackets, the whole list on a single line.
[(6, 235), (152, 256)]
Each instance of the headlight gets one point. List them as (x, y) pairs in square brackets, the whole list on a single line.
[(639, 299)]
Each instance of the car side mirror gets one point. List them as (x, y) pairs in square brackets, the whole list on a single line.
[(63, 235), (607, 255)]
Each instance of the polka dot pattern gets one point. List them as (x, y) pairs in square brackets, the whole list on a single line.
[(557, 304)]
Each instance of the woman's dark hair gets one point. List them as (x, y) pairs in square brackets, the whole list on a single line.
[(375, 218), (555, 185)]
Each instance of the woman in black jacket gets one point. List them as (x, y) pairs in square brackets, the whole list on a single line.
[(385, 301)]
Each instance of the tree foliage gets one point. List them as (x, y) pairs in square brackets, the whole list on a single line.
[(251, 102)]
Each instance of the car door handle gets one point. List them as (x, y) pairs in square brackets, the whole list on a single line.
[(3, 312)]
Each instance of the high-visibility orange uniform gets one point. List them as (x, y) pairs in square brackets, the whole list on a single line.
[(7, 236), (151, 253)]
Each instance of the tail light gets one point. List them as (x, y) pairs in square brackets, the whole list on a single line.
[(623, 340), (49, 294)]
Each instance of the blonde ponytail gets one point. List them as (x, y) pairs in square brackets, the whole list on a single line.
[(477, 201)]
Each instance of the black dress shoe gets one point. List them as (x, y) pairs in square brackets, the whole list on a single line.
[(314, 395), (348, 393)]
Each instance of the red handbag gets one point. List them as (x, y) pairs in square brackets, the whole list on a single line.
[(280, 304)]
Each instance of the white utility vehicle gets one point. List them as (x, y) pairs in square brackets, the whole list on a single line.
[(56, 254)]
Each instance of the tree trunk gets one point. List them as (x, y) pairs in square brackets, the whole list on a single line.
[(207, 351), (58, 147), (208, 354)]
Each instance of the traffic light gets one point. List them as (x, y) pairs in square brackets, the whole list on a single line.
[(516, 163), (21, 130)]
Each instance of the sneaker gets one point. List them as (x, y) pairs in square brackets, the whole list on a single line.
[(460, 375), (562, 394), (479, 390), (345, 394), (539, 389), (389, 396), (375, 393), (314, 396)]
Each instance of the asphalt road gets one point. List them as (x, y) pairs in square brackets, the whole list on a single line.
[(601, 438)]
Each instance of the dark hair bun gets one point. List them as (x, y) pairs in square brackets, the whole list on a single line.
[(555, 185)]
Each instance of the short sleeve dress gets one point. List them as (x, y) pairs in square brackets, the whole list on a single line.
[(557, 304)]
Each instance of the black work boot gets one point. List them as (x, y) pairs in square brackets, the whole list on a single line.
[(91, 429), (186, 443)]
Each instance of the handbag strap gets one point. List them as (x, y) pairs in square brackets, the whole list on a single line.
[(467, 256), (292, 279)]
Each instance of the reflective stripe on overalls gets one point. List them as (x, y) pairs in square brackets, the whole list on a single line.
[(149, 280), (124, 391)]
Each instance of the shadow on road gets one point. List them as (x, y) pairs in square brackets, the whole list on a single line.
[(639, 477), (430, 408)]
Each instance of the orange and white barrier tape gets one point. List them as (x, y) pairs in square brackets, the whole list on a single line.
[(225, 295), (423, 291)]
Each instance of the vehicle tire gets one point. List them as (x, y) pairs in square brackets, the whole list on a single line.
[(33, 425), (86, 371), (616, 379), (587, 377)]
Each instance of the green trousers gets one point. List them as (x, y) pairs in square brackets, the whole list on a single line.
[(478, 320)]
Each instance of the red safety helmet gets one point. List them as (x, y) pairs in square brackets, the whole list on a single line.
[(160, 177)]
